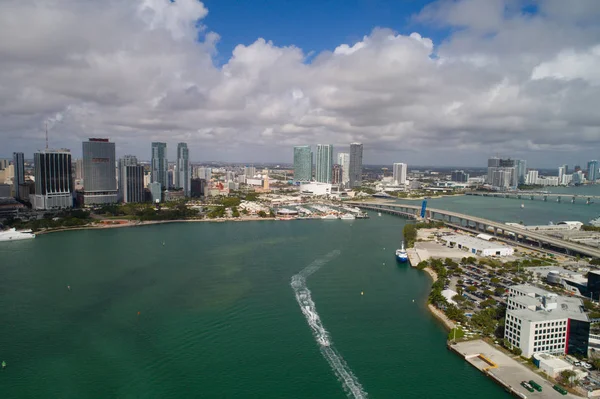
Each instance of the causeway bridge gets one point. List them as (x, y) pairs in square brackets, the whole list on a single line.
[(540, 195), (477, 224)]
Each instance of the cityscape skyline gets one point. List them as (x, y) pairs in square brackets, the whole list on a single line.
[(407, 81)]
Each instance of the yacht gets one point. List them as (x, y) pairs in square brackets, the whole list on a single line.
[(14, 235)]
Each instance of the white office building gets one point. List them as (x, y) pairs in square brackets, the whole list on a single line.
[(400, 171), (538, 321)]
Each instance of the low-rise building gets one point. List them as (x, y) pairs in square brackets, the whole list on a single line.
[(538, 321), (477, 246)]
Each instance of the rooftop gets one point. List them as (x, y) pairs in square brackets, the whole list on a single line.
[(473, 242)]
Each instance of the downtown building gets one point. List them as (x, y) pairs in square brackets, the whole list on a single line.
[(538, 321), (159, 169), (182, 169), (343, 159), (302, 163), (400, 171), (355, 167), (324, 164), (99, 174), (131, 180), (53, 180)]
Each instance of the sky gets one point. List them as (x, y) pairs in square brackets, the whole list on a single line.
[(440, 83)]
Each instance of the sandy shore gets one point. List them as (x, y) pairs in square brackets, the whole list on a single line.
[(146, 223)]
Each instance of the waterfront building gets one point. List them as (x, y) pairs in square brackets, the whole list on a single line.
[(478, 246), (356, 156), (344, 161), (521, 170), (460, 176), (538, 321), (182, 169), (155, 191), (532, 177), (315, 188), (324, 163), (160, 165), (400, 170), (99, 176), (131, 180), (19, 172), (562, 171), (502, 173), (302, 163), (592, 171), (53, 180)]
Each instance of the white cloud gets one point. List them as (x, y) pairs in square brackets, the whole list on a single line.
[(503, 82)]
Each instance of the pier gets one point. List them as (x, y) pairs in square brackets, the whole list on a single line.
[(504, 370), (538, 195), (512, 234)]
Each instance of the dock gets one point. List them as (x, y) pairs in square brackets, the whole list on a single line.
[(504, 370)]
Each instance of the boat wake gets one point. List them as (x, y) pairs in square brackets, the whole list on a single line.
[(307, 306)]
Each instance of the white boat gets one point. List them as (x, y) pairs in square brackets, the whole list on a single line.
[(329, 217), (14, 235), (347, 216)]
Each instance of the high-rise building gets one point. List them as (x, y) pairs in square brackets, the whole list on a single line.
[(99, 176), (53, 180), (19, 173), (400, 171), (160, 165), (592, 171), (79, 169), (131, 180), (532, 177), (249, 171), (302, 163), (355, 173), (324, 163), (502, 173), (459, 176), (562, 172), (182, 172), (521, 166), (344, 162), (337, 176)]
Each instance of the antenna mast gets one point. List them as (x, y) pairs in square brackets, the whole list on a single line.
[(46, 135)]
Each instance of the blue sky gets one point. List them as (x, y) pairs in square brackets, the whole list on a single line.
[(312, 25)]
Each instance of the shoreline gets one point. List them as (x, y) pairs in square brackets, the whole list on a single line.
[(147, 223), (437, 313)]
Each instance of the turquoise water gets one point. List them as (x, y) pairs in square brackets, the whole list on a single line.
[(509, 210), (217, 315)]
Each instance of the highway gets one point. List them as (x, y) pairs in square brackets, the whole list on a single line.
[(484, 223)]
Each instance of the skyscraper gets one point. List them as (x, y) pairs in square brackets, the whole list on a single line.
[(160, 165), (521, 167), (53, 180), (400, 171), (592, 171), (562, 172), (344, 162), (324, 163), (99, 175), (355, 173), (131, 180), (182, 172), (19, 165), (302, 163)]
